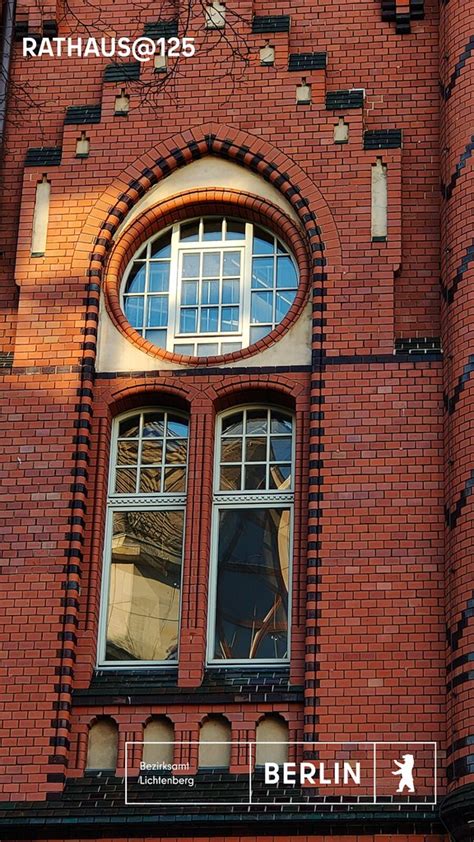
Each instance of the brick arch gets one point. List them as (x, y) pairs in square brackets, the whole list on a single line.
[(212, 717), (245, 150), (273, 715), (146, 393), (157, 717), (280, 390), (101, 717)]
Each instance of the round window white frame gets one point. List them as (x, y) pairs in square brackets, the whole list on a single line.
[(191, 344)]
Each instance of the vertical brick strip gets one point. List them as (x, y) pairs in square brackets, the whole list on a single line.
[(457, 145)]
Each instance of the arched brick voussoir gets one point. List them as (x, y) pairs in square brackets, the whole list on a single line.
[(149, 391), (235, 145), (280, 386)]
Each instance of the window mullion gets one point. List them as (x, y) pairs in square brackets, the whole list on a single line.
[(274, 303), (174, 290), (139, 453), (146, 289), (246, 285)]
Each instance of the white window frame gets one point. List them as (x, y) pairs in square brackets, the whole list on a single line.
[(220, 338), (140, 501), (268, 499)]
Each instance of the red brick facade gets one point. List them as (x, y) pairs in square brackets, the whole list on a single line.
[(382, 543)]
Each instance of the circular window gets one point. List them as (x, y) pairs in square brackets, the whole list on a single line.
[(209, 286)]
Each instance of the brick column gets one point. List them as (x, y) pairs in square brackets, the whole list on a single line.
[(457, 214)]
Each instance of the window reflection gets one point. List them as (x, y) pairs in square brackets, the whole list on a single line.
[(145, 583), (256, 451), (145, 545), (253, 550), (252, 584)]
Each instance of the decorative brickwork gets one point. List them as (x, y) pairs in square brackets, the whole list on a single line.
[(402, 12), (457, 86), (372, 506)]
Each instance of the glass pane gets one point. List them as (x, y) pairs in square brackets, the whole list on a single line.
[(140, 255), (251, 617), (209, 319), (129, 427), (286, 273), (255, 477), (125, 481), (230, 292), (176, 451), (152, 452), (159, 277), (257, 422), (158, 337), (145, 582), (161, 247), (188, 321), (263, 243), (231, 450), (262, 272), (207, 349), (127, 452), (257, 333), (231, 264), (235, 230), (230, 347), (187, 350), (177, 427), (154, 425), (280, 423), (158, 311), (210, 292), (256, 450), (280, 476), (281, 249), (232, 425), (262, 307), (150, 481), (136, 278), (212, 229), (230, 478), (133, 309), (189, 292), (175, 480), (283, 302), (280, 449), (229, 319), (190, 265), (189, 232), (211, 264)]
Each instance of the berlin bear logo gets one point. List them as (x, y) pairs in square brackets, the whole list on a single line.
[(405, 769)]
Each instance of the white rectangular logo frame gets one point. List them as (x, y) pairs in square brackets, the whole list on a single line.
[(313, 746)]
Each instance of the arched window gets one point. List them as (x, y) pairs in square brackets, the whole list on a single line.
[(158, 738), (272, 740), (144, 544), (209, 286), (214, 743), (102, 745), (251, 556)]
